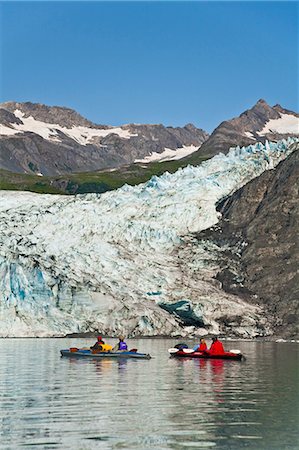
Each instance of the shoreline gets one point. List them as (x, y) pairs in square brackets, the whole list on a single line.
[(161, 337)]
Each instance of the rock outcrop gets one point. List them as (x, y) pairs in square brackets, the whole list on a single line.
[(256, 244)]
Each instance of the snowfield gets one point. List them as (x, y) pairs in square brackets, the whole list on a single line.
[(286, 124), (50, 131), (169, 154), (120, 261)]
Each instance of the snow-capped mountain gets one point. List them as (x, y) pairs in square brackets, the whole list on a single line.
[(47, 140), (116, 262), (258, 124)]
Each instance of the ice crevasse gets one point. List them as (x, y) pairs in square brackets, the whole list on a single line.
[(109, 262)]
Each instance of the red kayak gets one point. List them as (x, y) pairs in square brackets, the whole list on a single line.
[(189, 353)]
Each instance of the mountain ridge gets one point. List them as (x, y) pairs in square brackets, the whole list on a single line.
[(36, 138), (23, 158), (50, 114)]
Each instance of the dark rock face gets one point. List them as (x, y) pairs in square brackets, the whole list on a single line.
[(233, 132), (7, 118), (28, 151), (258, 246), (23, 152)]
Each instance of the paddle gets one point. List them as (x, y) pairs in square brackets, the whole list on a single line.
[(185, 350), (173, 350), (188, 350)]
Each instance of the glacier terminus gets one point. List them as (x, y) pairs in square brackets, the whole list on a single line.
[(113, 262)]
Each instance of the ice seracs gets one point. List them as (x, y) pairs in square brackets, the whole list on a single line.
[(91, 262)]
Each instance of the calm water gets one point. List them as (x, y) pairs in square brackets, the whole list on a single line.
[(52, 402)]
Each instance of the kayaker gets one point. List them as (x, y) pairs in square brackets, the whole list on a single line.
[(100, 345), (121, 346), (201, 347), (216, 347)]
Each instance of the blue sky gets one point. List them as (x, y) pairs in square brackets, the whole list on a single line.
[(150, 62)]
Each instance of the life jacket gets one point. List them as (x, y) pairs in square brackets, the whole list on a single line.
[(122, 346), (217, 348), (203, 347), (106, 347)]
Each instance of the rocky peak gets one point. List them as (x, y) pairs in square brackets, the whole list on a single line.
[(251, 127), (282, 110), (261, 101), (258, 113), (189, 126)]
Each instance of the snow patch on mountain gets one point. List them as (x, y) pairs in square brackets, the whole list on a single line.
[(50, 131), (106, 262), (249, 134), (286, 124), (169, 154)]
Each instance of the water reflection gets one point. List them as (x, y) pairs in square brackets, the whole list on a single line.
[(101, 366), (54, 402)]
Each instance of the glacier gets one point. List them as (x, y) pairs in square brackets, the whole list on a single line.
[(126, 261)]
